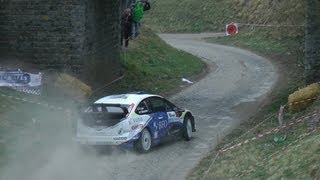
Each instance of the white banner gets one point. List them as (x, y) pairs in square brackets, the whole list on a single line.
[(21, 81)]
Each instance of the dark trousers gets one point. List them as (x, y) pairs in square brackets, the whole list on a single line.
[(125, 36)]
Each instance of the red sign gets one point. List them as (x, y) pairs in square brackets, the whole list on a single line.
[(231, 29)]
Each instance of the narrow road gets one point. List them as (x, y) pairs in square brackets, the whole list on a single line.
[(236, 85)]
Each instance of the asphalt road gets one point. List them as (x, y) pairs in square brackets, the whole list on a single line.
[(233, 90)]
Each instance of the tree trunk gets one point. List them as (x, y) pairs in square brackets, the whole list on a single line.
[(312, 41)]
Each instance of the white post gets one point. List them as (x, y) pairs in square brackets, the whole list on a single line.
[(280, 115)]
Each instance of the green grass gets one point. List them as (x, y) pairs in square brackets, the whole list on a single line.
[(153, 66), (296, 158), (188, 15), (262, 41), (209, 15), (264, 158)]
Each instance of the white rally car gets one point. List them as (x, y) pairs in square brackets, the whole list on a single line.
[(137, 120)]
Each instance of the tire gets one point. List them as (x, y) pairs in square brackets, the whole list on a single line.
[(187, 128), (143, 145)]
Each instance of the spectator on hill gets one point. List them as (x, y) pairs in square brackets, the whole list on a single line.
[(137, 16), (138, 12), (126, 26)]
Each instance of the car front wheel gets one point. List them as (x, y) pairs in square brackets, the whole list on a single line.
[(187, 129), (144, 143)]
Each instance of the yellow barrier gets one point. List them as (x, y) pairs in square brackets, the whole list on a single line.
[(302, 98), (73, 86)]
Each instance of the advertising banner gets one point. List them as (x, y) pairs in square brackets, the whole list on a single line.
[(21, 81)]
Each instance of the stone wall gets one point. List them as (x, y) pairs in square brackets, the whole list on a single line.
[(81, 36)]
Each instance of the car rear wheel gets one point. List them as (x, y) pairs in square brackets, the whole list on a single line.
[(187, 129), (143, 145)]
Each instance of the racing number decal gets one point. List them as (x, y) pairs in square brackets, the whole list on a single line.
[(160, 129), (162, 124)]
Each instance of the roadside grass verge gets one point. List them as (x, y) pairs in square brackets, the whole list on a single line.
[(262, 41), (151, 65), (295, 158)]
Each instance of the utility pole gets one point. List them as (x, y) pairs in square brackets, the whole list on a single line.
[(312, 41)]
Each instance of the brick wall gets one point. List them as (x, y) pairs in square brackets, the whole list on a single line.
[(73, 35)]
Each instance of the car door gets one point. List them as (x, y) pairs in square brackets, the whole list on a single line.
[(174, 122), (159, 117)]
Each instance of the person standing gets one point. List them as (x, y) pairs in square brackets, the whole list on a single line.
[(137, 16), (126, 26)]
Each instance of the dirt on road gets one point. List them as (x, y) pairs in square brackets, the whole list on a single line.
[(231, 92)]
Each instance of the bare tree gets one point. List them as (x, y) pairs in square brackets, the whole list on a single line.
[(312, 41)]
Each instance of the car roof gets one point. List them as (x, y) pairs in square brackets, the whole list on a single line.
[(127, 98)]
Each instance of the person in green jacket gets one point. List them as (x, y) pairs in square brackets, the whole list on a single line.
[(138, 12)]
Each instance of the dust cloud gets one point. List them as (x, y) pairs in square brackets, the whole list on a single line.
[(39, 146)]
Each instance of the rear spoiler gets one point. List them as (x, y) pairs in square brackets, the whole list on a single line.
[(125, 110)]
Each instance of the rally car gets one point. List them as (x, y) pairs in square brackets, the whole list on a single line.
[(136, 120)]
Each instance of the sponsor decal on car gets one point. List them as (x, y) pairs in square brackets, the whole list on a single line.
[(136, 120), (120, 138), (162, 125), (171, 114), (134, 127)]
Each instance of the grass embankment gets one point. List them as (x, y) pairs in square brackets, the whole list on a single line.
[(295, 158), (207, 15), (153, 66), (188, 15)]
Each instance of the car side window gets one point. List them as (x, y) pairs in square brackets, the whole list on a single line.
[(169, 106), (160, 105), (143, 108)]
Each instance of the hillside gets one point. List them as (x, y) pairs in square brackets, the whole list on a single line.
[(207, 15)]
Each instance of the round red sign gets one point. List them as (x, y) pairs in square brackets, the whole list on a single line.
[(232, 29)]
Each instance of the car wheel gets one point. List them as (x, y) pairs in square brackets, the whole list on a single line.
[(187, 129), (144, 143)]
